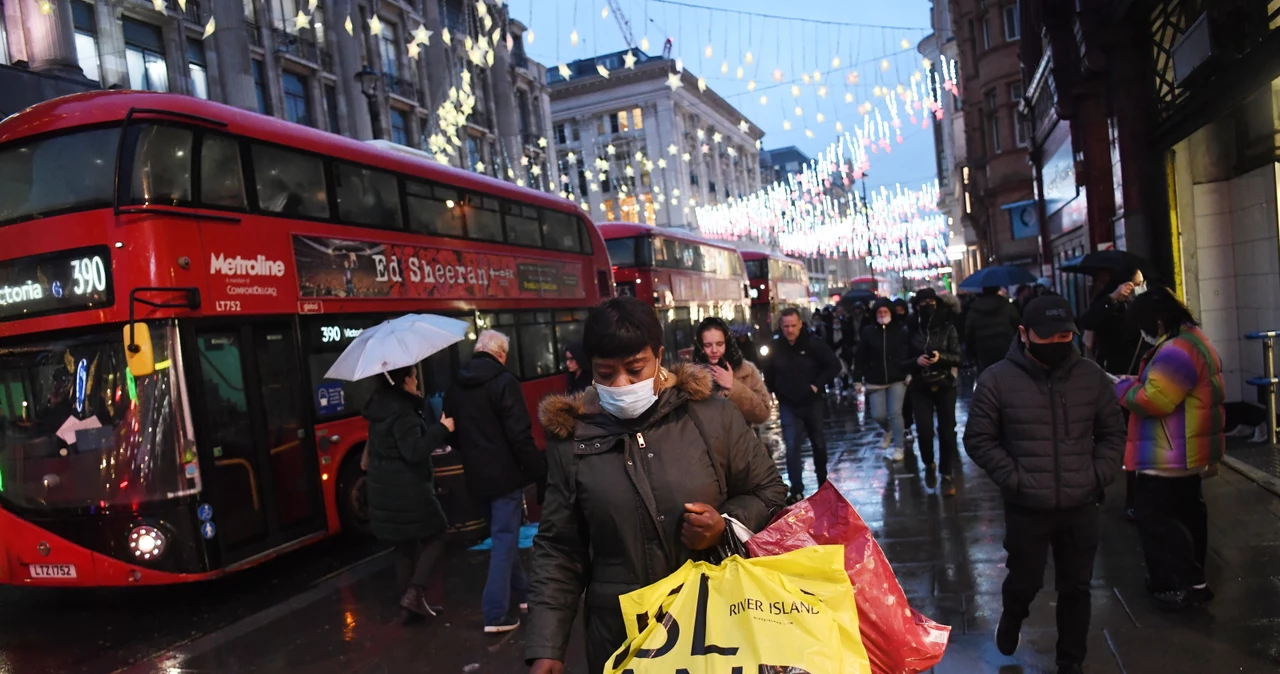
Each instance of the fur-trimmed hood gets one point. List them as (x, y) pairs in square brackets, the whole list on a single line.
[(561, 415)]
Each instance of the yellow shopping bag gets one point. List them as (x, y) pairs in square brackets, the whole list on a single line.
[(792, 613)]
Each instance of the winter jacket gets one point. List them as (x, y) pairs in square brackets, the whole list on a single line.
[(990, 327), (616, 492), (1117, 341), (1049, 440), (400, 480), (939, 335), (492, 429), (1177, 420), (881, 350), (749, 394), (792, 369)]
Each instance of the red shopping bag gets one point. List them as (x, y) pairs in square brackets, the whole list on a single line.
[(898, 639)]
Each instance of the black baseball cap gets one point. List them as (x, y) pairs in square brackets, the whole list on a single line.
[(926, 294), (1049, 315)]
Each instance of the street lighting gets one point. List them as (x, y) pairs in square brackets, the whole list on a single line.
[(368, 81)]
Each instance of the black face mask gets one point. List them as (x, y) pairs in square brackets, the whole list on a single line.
[(1052, 354)]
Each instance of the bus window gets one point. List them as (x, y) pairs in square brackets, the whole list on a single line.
[(523, 228), (221, 182), (290, 183), (537, 349), (567, 333), (622, 252), (161, 165), (434, 209), (34, 176), (484, 222), (367, 197), (756, 268), (326, 338), (560, 231)]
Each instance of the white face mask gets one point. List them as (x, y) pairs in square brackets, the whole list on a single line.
[(1150, 339), (1138, 290), (883, 320), (627, 402)]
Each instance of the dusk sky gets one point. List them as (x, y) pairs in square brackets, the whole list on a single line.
[(792, 46)]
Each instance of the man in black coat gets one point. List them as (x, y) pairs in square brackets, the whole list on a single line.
[(800, 367), (990, 327), (495, 438), (1045, 425)]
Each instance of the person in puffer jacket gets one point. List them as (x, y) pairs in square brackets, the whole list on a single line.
[(877, 368), (1176, 433), (1045, 425)]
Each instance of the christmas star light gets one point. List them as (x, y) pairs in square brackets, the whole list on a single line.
[(644, 43), (724, 67), (716, 137), (571, 157), (835, 62), (702, 84), (629, 60), (604, 72), (740, 72), (542, 142), (744, 126), (686, 157), (751, 85), (302, 21), (573, 38), (349, 26), (422, 35), (748, 58), (706, 52), (611, 150), (673, 81), (564, 71), (777, 74), (673, 150), (662, 163), (764, 100), (535, 170), (848, 97), (414, 50), (446, 37), (375, 25), (479, 167), (209, 28), (159, 6)]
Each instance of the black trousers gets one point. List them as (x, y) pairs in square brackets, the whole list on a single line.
[(1073, 535), (927, 401), (1173, 524), (808, 418), (415, 560)]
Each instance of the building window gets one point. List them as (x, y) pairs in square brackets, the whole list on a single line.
[(387, 51), (1019, 124), (622, 124), (994, 121), (573, 131), (986, 33), (1012, 23), (144, 55), (522, 106), (561, 138), (86, 27), (399, 127), (250, 14), (196, 67), (297, 102), (331, 107), (260, 88), (284, 11), (637, 119)]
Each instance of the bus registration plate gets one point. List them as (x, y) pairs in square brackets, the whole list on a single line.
[(52, 570)]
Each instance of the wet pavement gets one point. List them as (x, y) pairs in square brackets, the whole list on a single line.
[(947, 554)]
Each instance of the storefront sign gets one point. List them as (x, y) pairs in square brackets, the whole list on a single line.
[(1059, 174), (339, 268)]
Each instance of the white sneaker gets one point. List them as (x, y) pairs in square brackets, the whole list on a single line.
[(886, 441), (897, 454)]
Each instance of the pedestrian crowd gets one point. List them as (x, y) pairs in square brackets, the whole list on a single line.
[(649, 460)]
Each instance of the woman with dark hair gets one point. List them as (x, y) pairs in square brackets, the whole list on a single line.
[(643, 468), (734, 378), (576, 363), (878, 366), (403, 509), (1176, 435)]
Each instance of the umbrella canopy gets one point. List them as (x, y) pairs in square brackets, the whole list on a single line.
[(399, 342), (1113, 260), (856, 296), (1001, 276)]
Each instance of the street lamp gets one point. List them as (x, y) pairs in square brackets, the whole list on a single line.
[(368, 81)]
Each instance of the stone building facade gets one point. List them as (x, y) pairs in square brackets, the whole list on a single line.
[(262, 57), (667, 145), (996, 178)]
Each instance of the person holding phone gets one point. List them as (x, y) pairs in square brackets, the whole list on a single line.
[(735, 378), (933, 354)]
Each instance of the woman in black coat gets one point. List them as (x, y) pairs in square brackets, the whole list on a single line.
[(403, 509), (576, 363), (877, 366), (933, 354)]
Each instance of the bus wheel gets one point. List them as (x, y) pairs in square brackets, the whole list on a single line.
[(352, 497)]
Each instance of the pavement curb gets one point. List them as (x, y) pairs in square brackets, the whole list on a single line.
[(175, 655), (1262, 479)]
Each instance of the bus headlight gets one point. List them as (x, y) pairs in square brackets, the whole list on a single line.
[(764, 351), (147, 543)]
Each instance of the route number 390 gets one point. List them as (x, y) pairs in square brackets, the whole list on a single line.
[(90, 275)]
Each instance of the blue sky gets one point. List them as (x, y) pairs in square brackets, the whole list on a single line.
[(794, 47)]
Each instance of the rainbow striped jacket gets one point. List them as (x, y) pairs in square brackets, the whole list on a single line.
[(1177, 420)]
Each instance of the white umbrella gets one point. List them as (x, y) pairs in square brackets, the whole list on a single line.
[(399, 342)]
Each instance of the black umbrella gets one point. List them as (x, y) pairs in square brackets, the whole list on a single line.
[(1001, 276), (858, 296), (1109, 260)]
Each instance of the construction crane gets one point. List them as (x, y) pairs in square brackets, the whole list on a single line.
[(624, 24)]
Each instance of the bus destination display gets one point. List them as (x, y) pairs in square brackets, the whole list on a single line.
[(68, 280)]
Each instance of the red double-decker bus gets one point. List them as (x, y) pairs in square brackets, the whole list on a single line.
[(686, 277), (176, 277), (777, 282)]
